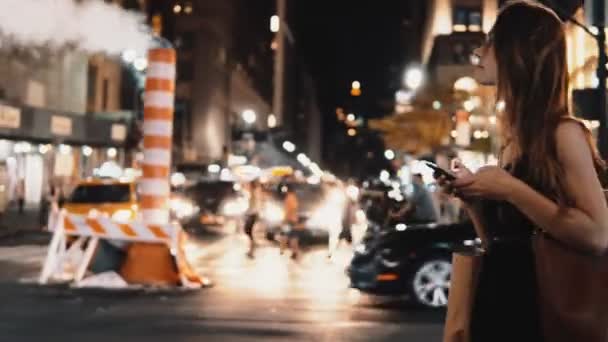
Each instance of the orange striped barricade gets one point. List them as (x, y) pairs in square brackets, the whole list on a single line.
[(93, 229)]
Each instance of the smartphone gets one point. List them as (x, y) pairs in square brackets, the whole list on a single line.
[(440, 171)]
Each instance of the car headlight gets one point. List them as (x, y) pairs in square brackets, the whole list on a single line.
[(235, 207), (273, 213), (182, 208), (122, 215)]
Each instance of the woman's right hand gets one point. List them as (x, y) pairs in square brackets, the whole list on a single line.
[(459, 170)]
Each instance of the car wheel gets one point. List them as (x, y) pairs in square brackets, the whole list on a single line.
[(430, 283)]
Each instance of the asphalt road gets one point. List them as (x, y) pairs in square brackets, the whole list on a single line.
[(268, 298)]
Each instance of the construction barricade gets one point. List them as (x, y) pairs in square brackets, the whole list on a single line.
[(61, 264)]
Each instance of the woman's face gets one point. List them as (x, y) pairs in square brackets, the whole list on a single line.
[(484, 61)]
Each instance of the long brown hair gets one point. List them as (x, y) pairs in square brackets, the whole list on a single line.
[(530, 47)]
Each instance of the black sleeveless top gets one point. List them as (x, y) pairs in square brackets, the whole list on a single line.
[(506, 306)]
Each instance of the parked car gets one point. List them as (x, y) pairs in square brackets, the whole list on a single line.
[(114, 198), (412, 260)]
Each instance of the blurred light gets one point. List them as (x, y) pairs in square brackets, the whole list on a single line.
[(475, 60), (87, 150), (178, 179), (235, 160), (474, 28), (351, 117), (355, 92), (314, 180), (188, 8), (22, 147), (595, 81), (594, 30), (213, 168), (591, 124), (140, 64), (129, 56), (272, 121), (112, 152), (454, 134), (469, 105), (303, 159), (414, 78), (389, 154), (459, 28), (177, 8), (384, 176), (249, 116), (356, 85), (109, 169), (485, 134), (401, 227), (477, 134), (275, 24), (43, 149), (273, 213), (352, 192), (226, 175), (500, 105), (65, 149), (351, 132), (492, 119), (403, 96), (182, 208), (289, 146), (436, 105), (235, 207), (274, 45), (122, 216), (466, 83)]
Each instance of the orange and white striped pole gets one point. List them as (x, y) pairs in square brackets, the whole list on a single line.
[(158, 133), (153, 263)]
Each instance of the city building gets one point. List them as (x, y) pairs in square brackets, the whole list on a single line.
[(224, 89), (62, 116)]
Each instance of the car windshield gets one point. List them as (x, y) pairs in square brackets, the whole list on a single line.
[(102, 193)]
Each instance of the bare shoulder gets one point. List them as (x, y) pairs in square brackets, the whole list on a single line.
[(572, 141)]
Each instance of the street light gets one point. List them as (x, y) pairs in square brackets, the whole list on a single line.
[(249, 116), (413, 78), (403, 97), (351, 117), (356, 85), (289, 146), (389, 154), (272, 121), (275, 23), (351, 132)]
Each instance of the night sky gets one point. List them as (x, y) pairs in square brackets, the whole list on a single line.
[(369, 41)]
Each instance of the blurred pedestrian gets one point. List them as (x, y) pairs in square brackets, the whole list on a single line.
[(21, 195), (294, 229), (253, 212), (541, 214)]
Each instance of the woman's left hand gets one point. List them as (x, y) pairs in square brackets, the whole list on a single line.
[(489, 182)]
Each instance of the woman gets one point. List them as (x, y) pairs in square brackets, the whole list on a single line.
[(547, 179)]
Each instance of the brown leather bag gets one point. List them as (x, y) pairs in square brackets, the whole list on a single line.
[(573, 292)]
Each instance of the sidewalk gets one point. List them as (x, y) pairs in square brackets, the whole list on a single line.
[(12, 223)]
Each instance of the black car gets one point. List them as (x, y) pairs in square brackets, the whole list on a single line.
[(216, 201), (412, 260)]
